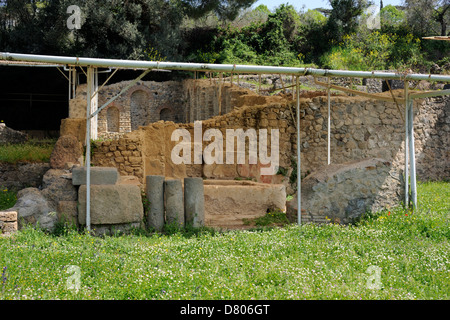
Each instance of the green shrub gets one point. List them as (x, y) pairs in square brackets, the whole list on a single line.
[(8, 198), (375, 51)]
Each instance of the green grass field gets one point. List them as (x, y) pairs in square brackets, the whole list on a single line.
[(388, 255), (30, 151)]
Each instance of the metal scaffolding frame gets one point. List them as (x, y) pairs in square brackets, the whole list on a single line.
[(92, 65)]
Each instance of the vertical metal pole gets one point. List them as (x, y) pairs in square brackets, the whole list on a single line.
[(220, 93), (406, 147), (299, 180), (329, 123), (70, 83), (89, 93), (412, 156), (74, 82), (94, 102)]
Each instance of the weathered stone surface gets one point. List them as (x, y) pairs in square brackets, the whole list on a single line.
[(9, 227), (57, 186), (8, 216), (342, 193), (22, 175), (74, 127), (361, 128), (111, 204), (174, 205), (155, 197), (68, 212), (8, 135), (227, 203), (33, 208), (99, 176), (39, 207), (194, 202), (214, 171), (77, 107), (67, 149), (129, 180)]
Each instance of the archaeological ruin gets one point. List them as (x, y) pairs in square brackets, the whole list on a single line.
[(136, 141)]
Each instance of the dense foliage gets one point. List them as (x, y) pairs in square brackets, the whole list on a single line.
[(219, 31)]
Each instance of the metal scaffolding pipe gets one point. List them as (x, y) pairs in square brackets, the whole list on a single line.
[(406, 146), (133, 64), (299, 180), (329, 124)]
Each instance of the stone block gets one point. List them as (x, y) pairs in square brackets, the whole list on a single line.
[(8, 216), (344, 192), (111, 204), (194, 202), (174, 205), (129, 180), (155, 197), (74, 127), (67, 149), (9, 227), (67, 211), (228, 202), (99, 176), (33, 208)]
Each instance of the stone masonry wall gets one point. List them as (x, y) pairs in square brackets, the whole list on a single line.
[(360, 128)]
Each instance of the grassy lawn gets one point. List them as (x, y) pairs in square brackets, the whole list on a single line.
[(30, 151), (389, 255)]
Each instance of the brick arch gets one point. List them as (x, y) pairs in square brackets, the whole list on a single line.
[(113, 119), (165, 106), (136, 88), (172, 113), (139, 104)]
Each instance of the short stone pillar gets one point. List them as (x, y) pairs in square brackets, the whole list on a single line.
[(194, 202), (173, 193), (155, 198)]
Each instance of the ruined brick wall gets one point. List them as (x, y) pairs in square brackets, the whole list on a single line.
[(148, 102), (360, 128)]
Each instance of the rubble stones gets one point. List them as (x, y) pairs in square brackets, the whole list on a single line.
[(8, 135)]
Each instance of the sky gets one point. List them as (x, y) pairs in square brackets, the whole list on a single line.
[(312, 4)]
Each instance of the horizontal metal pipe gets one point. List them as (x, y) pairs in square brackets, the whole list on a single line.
[(95, 62), (428, 94)]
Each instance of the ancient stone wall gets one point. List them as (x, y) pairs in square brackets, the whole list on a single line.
[(144, 103), (148, 102), (360, 128), (22, 175)]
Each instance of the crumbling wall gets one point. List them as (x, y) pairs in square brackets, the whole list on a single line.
[(360, 129)]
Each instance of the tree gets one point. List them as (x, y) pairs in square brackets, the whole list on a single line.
[(225, 9), (344, 17), (391, 17), (122, 29), (428, 17)]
